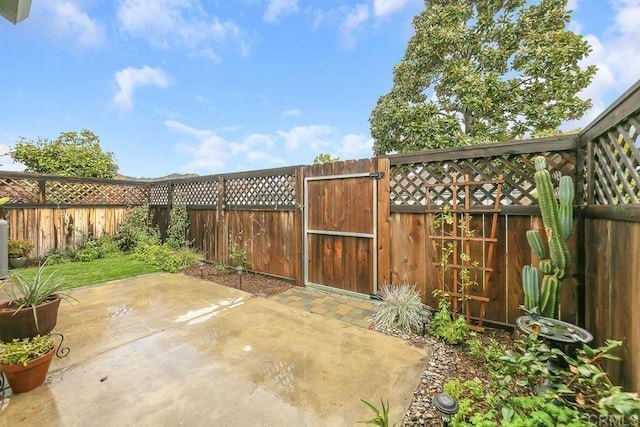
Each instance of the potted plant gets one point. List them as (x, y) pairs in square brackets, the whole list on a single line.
[(18, 251), (32, 306), (25, 362)]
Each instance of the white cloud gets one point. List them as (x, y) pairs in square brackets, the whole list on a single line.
[(617, 56), (208, 152), (355, 146), (293, 112), (387, 7), (306, 136), (178, 24), (277, 8), (351, 25), (259, 139), (318, 139), (66, 21), (129, 79)]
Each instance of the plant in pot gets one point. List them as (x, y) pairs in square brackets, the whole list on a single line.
[(32, 306), (18, 251), (25, 362)]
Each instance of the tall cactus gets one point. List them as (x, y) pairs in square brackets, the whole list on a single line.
[(557, 217)]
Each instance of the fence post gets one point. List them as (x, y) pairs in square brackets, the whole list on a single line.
[(42, 192), (383, 226), (221, 221), (298, 225)]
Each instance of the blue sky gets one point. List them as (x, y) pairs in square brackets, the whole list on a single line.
[(213, 86)]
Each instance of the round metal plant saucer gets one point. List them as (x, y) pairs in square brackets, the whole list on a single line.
[(553, 329)]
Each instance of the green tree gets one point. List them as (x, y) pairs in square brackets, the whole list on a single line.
[(325, 158), (71, 154), (482, 71)]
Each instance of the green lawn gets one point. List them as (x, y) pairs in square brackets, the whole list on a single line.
[(79, 274)]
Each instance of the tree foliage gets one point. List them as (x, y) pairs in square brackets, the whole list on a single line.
[(71, 154), (325, 158), (481, 71)]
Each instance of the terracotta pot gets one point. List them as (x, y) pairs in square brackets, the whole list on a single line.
[(21, 324), (24, 378)]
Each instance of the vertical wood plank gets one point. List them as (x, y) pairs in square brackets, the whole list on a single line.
[(383, 225)]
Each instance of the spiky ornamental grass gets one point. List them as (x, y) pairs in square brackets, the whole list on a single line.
[(399, 308)]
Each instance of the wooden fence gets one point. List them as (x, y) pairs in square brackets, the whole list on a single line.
[(54, 211), (610, 242), (263, 212)]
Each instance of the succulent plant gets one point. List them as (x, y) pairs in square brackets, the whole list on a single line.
[(543, 294)]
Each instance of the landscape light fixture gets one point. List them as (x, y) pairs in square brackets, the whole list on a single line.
[(447, 405), (240, 270), (15, 10), (425, 315), (201, 265)]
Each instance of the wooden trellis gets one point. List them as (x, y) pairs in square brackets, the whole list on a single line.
[(467, 197)]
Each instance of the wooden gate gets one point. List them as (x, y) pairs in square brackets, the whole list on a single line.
[(344, 248)]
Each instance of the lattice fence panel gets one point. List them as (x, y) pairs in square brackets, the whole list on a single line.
[(616, 164), (408, 181), (90, 193), (159, 194), (196, 193), (19, 191), (264, 191)]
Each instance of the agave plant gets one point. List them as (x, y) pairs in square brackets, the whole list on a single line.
[(381, 417), (399, 308), (31, 291)]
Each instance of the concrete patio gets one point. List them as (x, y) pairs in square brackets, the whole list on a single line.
[(169, 349)]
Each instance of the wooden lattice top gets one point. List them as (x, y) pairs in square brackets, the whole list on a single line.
[(273, 191), (266, 189), (31, 189), (409, 180), (614, 164)]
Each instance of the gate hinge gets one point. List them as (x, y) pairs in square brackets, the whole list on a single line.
[(376, 175)]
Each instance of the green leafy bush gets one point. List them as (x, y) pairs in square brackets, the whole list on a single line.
[(164, 257), (447, 329), (178, 227), (88, 254), (536, 385), (60, 256), (108, 247), (19, 248), (400, 308), (135, 226)]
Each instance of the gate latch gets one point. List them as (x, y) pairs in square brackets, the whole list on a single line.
[(376, 175)]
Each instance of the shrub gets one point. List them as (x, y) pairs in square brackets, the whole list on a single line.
[(60, 256), (135, 226), (178, 227), (19, 248), (447, 329), (88, 253), (400, 308), (108, 248), (164, 257), (538, 385)]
